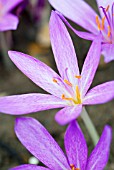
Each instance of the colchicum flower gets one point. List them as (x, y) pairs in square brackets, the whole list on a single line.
[(82, 14), (8, 21), (70, 89), (41, 144)]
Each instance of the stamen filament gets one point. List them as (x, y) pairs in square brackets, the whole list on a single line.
[(67, 98), (98, 22), (109, 31), (107, 8)]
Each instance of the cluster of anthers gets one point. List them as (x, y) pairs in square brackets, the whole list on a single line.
[(73, 167), (105, 30), (76, 99)]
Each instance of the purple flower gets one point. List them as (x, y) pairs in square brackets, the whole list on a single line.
[(82, 14), (8, 21), (41, 144), (69, 90)]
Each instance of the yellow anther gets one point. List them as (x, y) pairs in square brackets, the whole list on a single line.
[(103, 20), (54, 80), (67, 82), (78, 95), (107, 8), (78, 77), (109, 31), (98, 22), (67, 98), (73, 167)]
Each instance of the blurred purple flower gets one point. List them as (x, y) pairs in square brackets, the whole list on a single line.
[(41, 144), (82, 14), (8, 21), (70, 89)]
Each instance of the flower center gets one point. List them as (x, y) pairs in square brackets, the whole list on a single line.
[(70, 95), (106, 25), (73, 167)]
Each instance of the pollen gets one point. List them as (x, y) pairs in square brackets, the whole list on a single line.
[(73, 167), (67, 98), (98, 22), (54, 80), (78, 77), (78, 95), (67, 82)]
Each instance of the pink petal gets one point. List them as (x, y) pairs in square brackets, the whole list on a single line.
[(67, 114), (27, 103), (63, 49), (37, 71), (8, 22), (29, 167), (99, 156), (100, 94), (40, 143), (78, 11), (75, 145), (108, 52), (90, 65)]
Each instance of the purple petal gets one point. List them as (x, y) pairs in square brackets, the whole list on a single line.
[(8, 5), (78, 11), (75, 145), (37, 71), (29, 167), (67, 114), (63, 49), (90, 65), (108, 52), (84, 35), (40, 143), (8, 22), (99, 156), (100, 94), (27, 103)]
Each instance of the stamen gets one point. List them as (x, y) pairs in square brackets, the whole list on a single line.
[(67, 98), (67, 82), (107, 8), (73, 167), (78, 77), (54, 80), (109, 31), (103, 20), (78, 94), (98, 22)]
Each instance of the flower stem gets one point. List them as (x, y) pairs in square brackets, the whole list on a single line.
[(90, 126)]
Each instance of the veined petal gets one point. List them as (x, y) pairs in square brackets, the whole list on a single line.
[(108, 52), (99, 156), (67, 114), (27, 103), (40, 143), (37, 71), (90, 65), (63, 49), (75, 145), (29, 167), (84, 35), (100, 94), (8, 5), (78, 11), (8, 22)]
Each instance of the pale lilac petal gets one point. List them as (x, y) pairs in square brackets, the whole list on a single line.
[(40, 143), (99, 157), (9, 4), (37, 71), (29, 167), (8, 22), (90, 65), (63, 49), (100, 94), (78, 11), (84, 35), (67, 114), (108, 52), (75, 146), (28, 103)]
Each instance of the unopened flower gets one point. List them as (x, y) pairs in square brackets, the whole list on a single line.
[(41, 144), (8, 21), (70, 89), (82, 14)]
